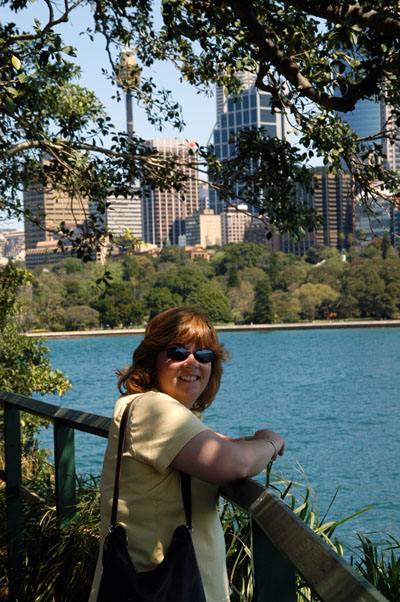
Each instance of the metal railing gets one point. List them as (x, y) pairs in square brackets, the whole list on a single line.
[(282, 545)]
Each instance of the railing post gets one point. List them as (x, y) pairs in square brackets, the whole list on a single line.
[(274, 576), (64, 460), (15, 526)]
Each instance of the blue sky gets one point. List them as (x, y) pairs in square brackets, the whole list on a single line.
[(198, 109)]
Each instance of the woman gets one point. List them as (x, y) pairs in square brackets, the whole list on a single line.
[(174, 376)]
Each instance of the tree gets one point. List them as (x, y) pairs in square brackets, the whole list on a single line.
[(315, 59), (316, 300), (118, 306), (373, 289), (81, 317), (385, 246), (24, 362), (160, 298), (263, 307), (318, 253), (233, 278), (212, 300), (287, 306)]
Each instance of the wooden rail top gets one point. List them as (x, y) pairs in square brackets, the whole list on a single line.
[(81, 421), (327, 573)]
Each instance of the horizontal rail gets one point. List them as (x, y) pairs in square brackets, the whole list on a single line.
[(327, 573), (81, 421), (279, 536)]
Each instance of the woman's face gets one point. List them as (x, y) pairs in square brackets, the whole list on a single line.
[(185, 380)]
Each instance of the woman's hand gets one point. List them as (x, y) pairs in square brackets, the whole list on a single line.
[(269, 437)]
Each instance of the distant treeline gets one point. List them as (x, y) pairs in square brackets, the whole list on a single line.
[(242, 283)]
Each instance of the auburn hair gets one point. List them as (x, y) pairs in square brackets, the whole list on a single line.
[(175, 326)]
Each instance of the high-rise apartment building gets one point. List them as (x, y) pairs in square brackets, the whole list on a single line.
[(332, 199), (234, 221), (250, 109), (164, 211), (51, 207), (12, 244), (203, 228), (125, 214)]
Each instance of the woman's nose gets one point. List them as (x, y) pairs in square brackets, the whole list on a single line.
[(191, 360)]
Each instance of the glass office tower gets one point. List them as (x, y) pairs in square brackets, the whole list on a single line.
[(366, 120), (251, 109)]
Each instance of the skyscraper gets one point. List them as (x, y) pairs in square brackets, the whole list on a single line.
[(50, 207), (332, 199), (125, 214), (250, 109), (164, 211), (368, 119)]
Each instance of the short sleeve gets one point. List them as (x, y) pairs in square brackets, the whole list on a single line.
[(158, 428)]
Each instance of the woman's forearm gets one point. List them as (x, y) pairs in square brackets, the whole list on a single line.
[(216, 459)]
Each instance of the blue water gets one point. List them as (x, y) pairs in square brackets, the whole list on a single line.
[(333, 395)]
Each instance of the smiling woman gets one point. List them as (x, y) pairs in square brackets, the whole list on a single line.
[(174, 376)]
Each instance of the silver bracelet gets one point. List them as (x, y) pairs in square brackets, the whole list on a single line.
[(274, 446)]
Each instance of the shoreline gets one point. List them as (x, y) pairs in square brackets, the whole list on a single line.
[(118, 332)]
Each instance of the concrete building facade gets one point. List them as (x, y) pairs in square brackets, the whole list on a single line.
[(51, 207), (203, 228), (332, 199), (164, 212), (12, 244), (234, 222), (125, 214)]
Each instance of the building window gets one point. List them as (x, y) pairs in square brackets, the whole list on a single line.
[(231, 119), (224, 121), (253, 100), (265, 116), (245, 98), (238, 118), (254, 116), (217, 137), (264, 100), (246, 117)]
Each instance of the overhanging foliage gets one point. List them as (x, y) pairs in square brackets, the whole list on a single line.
[(316, 59)]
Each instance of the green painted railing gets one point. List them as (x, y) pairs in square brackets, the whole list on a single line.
[(282, 545)]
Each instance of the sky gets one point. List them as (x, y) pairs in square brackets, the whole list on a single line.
[(199, 110)]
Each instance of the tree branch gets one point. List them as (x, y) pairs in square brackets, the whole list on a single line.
[(263, 38), (383, 21)]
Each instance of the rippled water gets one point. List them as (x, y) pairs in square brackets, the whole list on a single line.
[(333, 395)]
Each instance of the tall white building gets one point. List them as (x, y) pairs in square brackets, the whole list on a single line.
[(12, 244), (164, 211), (234, 222), (125, 214)]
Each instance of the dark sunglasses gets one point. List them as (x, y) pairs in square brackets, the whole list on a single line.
[(179, 354)]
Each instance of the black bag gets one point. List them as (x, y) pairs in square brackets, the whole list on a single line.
[(175, 579)]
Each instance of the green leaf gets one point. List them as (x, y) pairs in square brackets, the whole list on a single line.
[(16, 62), (10, 104)]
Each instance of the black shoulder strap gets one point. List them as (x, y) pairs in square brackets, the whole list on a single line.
[(185, 479), (121, 442), (187, 497)]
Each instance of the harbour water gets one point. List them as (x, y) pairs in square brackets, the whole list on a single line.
[(333, 395)]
